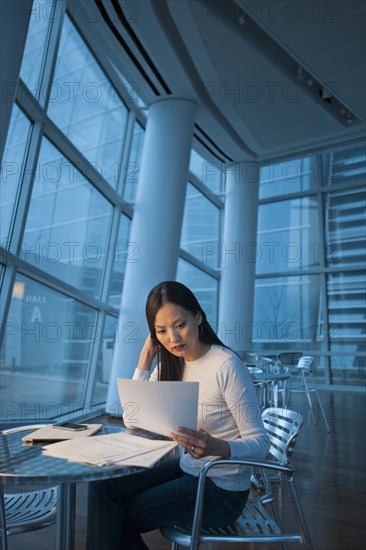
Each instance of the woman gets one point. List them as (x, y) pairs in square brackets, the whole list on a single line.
[(229, 420)]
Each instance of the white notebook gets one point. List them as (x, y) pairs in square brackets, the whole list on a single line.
[(159, 407), (52, 433)]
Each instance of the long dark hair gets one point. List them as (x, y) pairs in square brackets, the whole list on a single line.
[(170, 366)]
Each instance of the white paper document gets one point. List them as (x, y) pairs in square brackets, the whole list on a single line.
[(158, 406), (120, 449)]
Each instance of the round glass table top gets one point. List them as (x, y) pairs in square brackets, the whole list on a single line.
[(25, 463)]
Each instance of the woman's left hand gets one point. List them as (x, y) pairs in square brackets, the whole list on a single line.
[(200, 444)]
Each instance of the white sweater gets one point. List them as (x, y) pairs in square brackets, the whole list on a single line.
[(227, 409)]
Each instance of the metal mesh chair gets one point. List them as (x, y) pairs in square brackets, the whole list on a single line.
[(282, 426), (256, 523), (29, 509), (302, 381), (260, 520), (288, 358)]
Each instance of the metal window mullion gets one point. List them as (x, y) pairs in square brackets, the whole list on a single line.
[(76, 158), (68, 149), (110, 255), (141, 117), (296, 155), (29, 104), (288, 196), (324, 172), (93, 362), (221, 240), (7, 285), (206, 192), (52, 282), (343, 186), (52, 45), (318, 271), (116, 217), (215, 273), (126, 153), (325, 185), (308, 193), (26, 186)]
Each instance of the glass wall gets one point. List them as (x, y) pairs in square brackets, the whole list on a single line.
[(204, 286), (201, 231), (46, 351), (64, 225), (288, 236), (68, 223), (201, 225), (12, 170), (132, 168), (69, 176), (345, 237), (34, 57), (85, 106), (310, 274), (208, 169)]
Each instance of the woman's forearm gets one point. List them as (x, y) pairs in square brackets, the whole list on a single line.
[(147, 354), (145, 361)]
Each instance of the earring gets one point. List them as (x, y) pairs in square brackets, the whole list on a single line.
[(200, 329)]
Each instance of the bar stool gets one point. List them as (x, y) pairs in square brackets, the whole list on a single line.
[(302, 381)]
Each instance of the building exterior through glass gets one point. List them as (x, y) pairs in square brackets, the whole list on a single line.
[(69, 176)]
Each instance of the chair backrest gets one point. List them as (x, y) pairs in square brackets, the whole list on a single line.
[(289, 357), (260, 521), (304, 363), (282, 426), (248, 357)]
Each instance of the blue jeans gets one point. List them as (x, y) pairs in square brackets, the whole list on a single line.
[(122, 508)]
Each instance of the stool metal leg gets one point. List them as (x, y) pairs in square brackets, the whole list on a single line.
[(322, 411)]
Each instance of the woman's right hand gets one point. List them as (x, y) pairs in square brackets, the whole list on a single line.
[(148, 353)]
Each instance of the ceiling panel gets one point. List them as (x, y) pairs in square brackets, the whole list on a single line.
[(253, 97)]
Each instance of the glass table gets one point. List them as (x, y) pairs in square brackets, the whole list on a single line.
[(264, 379), (23, 464)]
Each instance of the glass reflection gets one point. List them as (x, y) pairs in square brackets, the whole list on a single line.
[(288, 237), (86, 107), (201, 227), (12, 170), (132, 169), (45, 352), (203, 286), (68, 223), (35, 48)]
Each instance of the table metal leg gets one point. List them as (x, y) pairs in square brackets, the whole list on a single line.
[(65, 533), (275, 394)]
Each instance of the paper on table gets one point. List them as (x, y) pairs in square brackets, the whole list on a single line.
[(158, 406), (52, 433), (113, 449)]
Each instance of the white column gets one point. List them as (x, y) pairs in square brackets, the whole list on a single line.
[(238, 255), (14, 23), (155, 229)]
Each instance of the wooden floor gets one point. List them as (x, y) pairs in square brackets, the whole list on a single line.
[(330, 478)]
